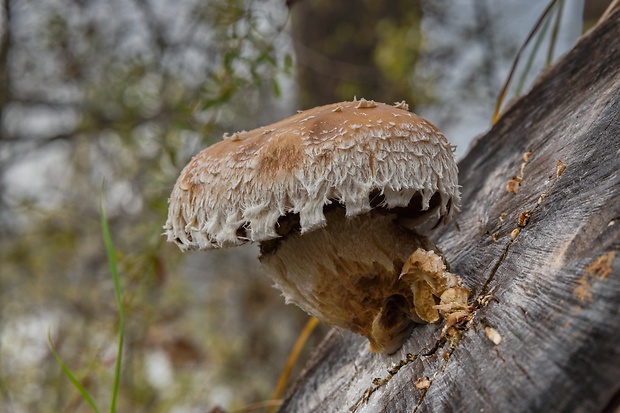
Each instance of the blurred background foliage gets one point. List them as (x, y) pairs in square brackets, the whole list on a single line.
[(111, 98)]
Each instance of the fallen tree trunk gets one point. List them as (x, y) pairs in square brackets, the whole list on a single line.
[(543, 263)]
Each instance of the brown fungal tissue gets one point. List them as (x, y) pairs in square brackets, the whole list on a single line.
[(335, 196)]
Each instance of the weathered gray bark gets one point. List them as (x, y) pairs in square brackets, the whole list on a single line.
[(556, 284)]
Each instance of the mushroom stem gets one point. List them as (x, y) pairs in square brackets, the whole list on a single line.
[(348, 274)]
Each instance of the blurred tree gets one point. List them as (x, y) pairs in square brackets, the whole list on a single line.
[(362, 47), (125, 92), (592, 10)]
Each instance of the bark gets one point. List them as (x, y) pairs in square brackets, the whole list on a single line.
[(543, 264)]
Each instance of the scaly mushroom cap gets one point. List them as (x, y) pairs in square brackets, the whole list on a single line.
[(351, 153)]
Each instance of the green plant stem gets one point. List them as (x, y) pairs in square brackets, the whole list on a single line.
[(80, 388), (109, 246), (502, 94), (530, 59), (554, 33)]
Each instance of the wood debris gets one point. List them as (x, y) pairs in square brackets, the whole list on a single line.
[(513, 185), (524, 218), (560, 167), (493, 335), (422, 383)]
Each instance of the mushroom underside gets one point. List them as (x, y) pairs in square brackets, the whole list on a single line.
[(350, 273), (409, 216)]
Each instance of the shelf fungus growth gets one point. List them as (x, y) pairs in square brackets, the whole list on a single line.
[(336, 197)]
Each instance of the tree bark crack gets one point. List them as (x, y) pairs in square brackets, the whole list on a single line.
[(379, 382), (560, 167)]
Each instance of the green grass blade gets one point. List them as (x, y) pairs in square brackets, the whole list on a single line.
[(109, 247), (502, 94), (530, 60), (554, 33), (65, 369)]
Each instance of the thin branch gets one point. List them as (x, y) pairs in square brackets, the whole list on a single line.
[(152, 22), (500, 99), (554, 33), (5, 46), (614, 5)]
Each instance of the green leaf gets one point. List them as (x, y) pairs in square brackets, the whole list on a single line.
[(554, 33), (65, 369), (275, 86), (525, 71), (288, 63), (502, 94), (109, 247)]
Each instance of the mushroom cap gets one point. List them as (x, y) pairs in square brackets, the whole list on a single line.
[(350, 153)]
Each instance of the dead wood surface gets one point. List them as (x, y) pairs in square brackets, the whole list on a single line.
[(556, 284)]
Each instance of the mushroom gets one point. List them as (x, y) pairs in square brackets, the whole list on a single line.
[(334, 196)]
